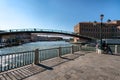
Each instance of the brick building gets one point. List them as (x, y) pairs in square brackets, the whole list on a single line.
[(110, 29)]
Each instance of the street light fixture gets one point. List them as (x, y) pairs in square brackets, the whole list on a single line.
[(101, 18)]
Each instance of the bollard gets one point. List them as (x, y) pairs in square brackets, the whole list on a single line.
[(116, 47), (36, 60)]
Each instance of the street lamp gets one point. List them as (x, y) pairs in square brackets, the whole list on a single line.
[(101, 18)]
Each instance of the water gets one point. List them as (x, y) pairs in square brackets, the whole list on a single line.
[(33, 46)]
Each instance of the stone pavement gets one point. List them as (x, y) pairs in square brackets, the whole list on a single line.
[(30, 70), (80, 66)]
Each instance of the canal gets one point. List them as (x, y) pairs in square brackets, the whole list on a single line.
[(33, 46)]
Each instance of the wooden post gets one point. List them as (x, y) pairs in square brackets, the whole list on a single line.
[(36, 60)]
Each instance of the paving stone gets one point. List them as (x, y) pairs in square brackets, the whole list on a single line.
[(79, 66)]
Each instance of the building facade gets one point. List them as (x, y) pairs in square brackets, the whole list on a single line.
[(37, 37), (15, 38), (92, 29)]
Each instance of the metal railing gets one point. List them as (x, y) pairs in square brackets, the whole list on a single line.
[(115, 49), (15, 60), (36, 29)]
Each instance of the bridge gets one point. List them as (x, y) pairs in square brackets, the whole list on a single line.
[(35, 30)]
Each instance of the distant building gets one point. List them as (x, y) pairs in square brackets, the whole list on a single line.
[(110, 29), (35, 37), (20, 37)]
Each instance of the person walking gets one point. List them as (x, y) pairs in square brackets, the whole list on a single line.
[(107, 49), (104, 45)]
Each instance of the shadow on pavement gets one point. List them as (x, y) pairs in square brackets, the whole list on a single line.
[(66, 58), (116, 54), (27, 71), (44, 66)]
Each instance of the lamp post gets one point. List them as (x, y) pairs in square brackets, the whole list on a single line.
[(101, 18)]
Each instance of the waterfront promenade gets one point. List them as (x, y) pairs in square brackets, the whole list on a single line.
[(78, 66)]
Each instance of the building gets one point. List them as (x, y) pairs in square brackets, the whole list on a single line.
[(110, 29), (37, 37), (15, 38)]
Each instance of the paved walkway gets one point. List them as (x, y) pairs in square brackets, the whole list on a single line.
[(30, 70), (88, 66), (80, 66)]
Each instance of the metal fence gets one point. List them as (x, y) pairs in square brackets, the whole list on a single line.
[(15, 60), (115, 48)]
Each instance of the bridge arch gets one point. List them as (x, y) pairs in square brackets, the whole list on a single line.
[(35, 30)]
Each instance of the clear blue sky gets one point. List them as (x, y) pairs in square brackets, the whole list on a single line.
[(55, 14)]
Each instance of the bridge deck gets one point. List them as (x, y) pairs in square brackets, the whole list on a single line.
[(67, 33)]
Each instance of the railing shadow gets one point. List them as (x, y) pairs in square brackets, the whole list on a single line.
[(27, 71), (80, 54), (116, 54), (44, 66), (30, 70), (76, 55), (24, 72), (66, 58)]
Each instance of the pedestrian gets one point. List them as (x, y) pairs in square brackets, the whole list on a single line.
[(107, 49), (104, 45)]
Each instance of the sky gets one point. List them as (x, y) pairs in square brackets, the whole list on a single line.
[(55, 14)]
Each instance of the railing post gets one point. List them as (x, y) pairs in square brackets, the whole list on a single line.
[(36, 60), (116, 49), (80, 47), (72, 49), (59, 52)]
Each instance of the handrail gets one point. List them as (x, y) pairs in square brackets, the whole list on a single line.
[(45, 31), (16, 53), (36, 29), (19, 59)]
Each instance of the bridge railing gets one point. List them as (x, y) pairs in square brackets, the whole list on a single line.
[(36, 29), (19, 59)]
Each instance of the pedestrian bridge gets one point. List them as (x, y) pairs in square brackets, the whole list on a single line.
[(35, 30)]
